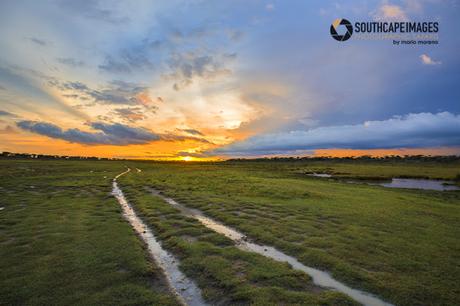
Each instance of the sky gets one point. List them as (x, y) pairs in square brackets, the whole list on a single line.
[(220, 79)]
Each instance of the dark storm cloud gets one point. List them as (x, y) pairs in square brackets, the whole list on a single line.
[(109, 134), (409, 131)]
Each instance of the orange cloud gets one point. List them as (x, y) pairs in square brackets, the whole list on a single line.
[(29, 143)]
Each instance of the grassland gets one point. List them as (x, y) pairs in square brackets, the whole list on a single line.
[(226, 275), (63, 240), (400, 244), (72, 246)]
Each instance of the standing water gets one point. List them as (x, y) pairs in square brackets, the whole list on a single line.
[(325, 175), (183, 287), (426, 184), (420, 184), (319, 277)]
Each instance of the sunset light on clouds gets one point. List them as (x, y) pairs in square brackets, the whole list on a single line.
[(193, 80)]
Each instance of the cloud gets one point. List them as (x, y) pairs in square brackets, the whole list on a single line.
[(192, 132), (92, 9), (115, 92), (106, 134), (426, 60), (15, 79), (130, 114), (110, 134), (390, 12), (187, 66), (112, 65), (6, 114), (174, 137), (70, 62), (139, 56), (192, 154), (128, 61), (409, 131), (37, 41)]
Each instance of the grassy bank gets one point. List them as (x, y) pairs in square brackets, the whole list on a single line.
[(63, 240)]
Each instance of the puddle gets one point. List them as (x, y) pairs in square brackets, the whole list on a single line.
[(399, 183), (183, 287), (419, 184), (320, 175), (319, 277)]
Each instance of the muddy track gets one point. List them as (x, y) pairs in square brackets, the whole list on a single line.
[(184, 288)]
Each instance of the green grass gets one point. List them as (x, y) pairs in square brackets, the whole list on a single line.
[(63, 240), (402, 245), (226, 275)]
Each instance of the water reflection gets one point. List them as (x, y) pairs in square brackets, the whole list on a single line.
[(407, 183), (420, 184)]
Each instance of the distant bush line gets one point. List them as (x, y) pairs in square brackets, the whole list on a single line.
[(388, 158)]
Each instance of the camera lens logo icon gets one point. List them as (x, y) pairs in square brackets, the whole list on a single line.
[(338, 23)]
